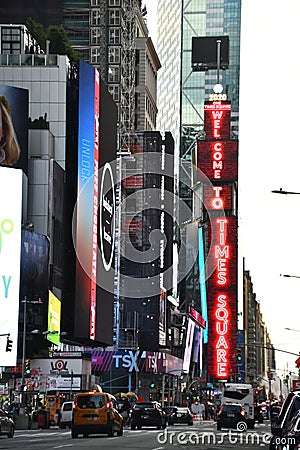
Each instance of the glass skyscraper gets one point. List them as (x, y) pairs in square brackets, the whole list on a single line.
[(182, 92)]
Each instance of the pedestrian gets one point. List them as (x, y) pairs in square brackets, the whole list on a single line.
[(57, 418)]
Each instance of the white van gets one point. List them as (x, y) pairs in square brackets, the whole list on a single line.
[(66, 411)]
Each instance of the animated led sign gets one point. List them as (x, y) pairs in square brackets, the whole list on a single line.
[(217, 120), (218, 160), (222, 288)]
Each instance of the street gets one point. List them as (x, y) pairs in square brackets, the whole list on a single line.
[(201, 436)]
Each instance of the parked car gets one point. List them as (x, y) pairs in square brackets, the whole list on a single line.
[(230, 415), (7, 426), (148, 414), (66, 411), (280, 423), (180, 415), (95, 413)]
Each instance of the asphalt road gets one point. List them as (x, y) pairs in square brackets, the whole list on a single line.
[(201, 436)]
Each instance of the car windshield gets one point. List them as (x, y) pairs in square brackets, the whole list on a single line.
[(67, 407), (182, 410), (90, 401), (144, 405), (231, 408)]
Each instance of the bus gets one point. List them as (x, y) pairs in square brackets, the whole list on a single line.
[(243, 394)]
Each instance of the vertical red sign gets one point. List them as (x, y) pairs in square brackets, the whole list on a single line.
[(217, 120), (222, 294), (218, 161)]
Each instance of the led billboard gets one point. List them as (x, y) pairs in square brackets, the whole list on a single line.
[(218, 197), (10, 255), (87, 202), (54, 310), (14, 119), (222, 291), (218, 160), (217, 116), (205, 52), (188, 345), (202, 275)]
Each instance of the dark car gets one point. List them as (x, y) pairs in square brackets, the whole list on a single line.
[(290, 438), (148, 414), (281, 422), (232, 416), (180, 415), (258, 414), (7, 426)]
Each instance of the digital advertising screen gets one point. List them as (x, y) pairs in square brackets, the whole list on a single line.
[(87, 202), (217, 160), (14, 127), (54, 312), (10, 256), (222, 292), (188, 346), (203, 294), (217, 198), (217, 116)]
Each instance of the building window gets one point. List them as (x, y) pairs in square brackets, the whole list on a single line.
[(95, 36), (113, 74), (114, 90), (11, 40), (114, 3), (114, 55), (114, 17), (95, 2), (95, 56), (114, 36), (95, 17)]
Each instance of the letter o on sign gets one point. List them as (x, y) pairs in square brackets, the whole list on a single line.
[(59, 364)]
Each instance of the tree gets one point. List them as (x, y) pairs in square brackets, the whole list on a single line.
[(37, 32), (56, 34), (59, 42)]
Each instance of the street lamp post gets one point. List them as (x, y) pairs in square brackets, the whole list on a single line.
[(23, 349), (282, 191)]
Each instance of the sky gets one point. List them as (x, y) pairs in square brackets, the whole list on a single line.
[(269, 158)]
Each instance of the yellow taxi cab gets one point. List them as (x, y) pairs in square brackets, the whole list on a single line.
[(95, 413)]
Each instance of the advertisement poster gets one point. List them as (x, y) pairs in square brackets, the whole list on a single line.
[(10, 255)]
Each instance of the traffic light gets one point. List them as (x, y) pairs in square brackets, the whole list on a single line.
[(152, 385), (239, 354), (27, 366), (182, 376), (239, 377), (9, 343)]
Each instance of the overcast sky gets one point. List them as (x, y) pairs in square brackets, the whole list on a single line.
[(269, 158)]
